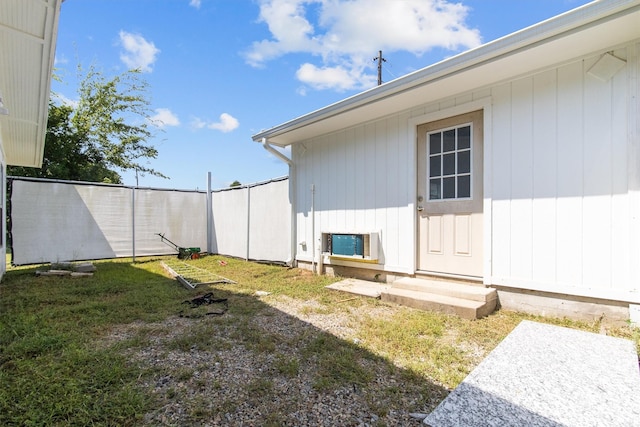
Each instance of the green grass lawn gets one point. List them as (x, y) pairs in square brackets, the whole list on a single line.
[(57, 368)]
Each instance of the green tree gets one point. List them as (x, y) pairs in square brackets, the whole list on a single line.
[(106, 131), (66, 157), (235, 183)]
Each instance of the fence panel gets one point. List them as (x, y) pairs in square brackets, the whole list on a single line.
[(181, 216), (53, 221), (67, 221), (230, 222), (270, 222)]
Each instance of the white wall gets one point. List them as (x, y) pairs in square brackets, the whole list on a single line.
[(363, 180), (562, 178), (565, 180)]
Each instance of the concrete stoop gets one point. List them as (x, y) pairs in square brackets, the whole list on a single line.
[(466, 301)]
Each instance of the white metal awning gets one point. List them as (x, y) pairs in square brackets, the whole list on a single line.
[(28, 33)]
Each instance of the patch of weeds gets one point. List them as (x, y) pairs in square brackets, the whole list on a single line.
[(274, 419), (287, 366), (227, 406), (183, 374), (200, 337), (139, 340), (171, 393), (259, 387), (246, 306), (338, 363), (201, 408), (321, 309), (255, 338)]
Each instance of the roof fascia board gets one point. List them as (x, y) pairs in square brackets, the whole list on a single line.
[(561, 25)]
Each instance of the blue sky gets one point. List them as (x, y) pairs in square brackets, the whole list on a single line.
[(222, 70)]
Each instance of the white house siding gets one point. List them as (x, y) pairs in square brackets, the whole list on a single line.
[(364, 182), (562, 184), (561, 200)]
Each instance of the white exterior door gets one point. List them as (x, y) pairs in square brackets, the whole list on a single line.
[(449, 198)]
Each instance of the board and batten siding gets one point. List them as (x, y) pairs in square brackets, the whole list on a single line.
[(363, 180), (561, 183), (564, 183)]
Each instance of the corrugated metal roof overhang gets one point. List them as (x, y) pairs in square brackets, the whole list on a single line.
[(594, 27), (28, 33)]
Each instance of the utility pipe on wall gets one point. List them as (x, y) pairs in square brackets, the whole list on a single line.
[(313, 228)]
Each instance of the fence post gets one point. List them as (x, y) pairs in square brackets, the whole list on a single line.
[(209, 215), (248, 219), (133, 224)]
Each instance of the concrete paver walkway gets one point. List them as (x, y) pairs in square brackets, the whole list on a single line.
[(544, 375)]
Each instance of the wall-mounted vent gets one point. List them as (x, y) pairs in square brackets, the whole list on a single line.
[(362, 246)]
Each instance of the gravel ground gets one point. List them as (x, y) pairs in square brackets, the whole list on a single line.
[(257, 370)]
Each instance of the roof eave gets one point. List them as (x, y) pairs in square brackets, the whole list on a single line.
[(25, 78)]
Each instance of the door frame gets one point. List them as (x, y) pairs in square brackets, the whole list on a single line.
[(413, 123)]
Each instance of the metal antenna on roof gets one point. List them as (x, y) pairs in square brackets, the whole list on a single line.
[(380, 60)]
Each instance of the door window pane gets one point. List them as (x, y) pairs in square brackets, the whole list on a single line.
[(464, 161), (434, 189), (449, 188), (449, 163), (434, 143), (464, 186), (464, 137), (434, 166), (449, 140)]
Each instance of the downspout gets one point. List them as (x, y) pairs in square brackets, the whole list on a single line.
[(292, 190)]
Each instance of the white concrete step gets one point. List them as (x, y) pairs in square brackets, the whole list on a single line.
[(464, 300), (447, 288)]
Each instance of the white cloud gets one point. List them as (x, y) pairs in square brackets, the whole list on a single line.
[(338, 78), (138, 52), (164, 117), (346, 34), (195, 3), (227, 123), (57, 60), (73, 103), (197, 123)]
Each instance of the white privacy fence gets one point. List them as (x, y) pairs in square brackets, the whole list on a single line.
[(254, 221), (65, 221)]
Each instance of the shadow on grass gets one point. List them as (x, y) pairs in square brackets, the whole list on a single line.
[(112, 350)]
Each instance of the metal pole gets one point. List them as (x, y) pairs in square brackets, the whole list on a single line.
[(133, 224), (209, 215), (380, 60), (248, 218)]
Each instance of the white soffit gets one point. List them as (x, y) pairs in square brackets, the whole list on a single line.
[(594, 27), (28, 33)]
